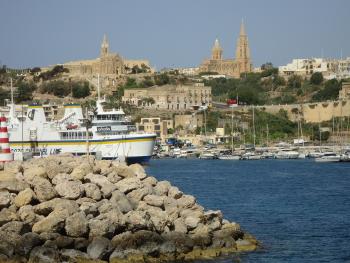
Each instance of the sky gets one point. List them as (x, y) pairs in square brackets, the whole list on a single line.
[(168, 33)]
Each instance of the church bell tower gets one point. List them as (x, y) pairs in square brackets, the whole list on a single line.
[(104, 47), (216, 52), (243, 52)]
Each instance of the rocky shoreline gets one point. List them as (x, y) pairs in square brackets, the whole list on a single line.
[(78, 209)]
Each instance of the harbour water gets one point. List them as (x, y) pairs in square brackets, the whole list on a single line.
[(298, 209)]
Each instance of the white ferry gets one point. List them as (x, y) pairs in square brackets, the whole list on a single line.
[(109, 134)]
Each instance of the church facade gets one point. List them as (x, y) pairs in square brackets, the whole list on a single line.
[(108, 64), (230, 67)]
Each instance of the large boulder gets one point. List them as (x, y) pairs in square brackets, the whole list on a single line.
[(12, 184), (186, 201), (92, 191), (162, 188), (7, 215), (125, 171), (137, 195), (139, 220), (24, 197), (26, 214), (27, 242), (43, 189), (34, 171), (42, 254), (81, 171), (138, 170), (180, 226), (61, 177), (174, 192), (129, 184), (106, 186), (120, 200), (5, 198), (76, 225), (54, 222), (154, 200), (70, 189), (99, 248), (150, 180), (72, 255)]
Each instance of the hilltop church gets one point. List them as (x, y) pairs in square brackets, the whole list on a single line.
[(230, 67), (108, 64)]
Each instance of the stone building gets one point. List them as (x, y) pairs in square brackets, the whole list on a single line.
[(155, 125), (170, 97), (188, 121), (230, 67), (107, 65), (344, 93)]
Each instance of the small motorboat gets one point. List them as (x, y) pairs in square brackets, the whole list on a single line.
[(328, 157)]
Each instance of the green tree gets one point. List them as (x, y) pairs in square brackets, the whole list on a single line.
[(329, 92), (161, 79), (80, 90), (25, 91), (316, 78), (294, 82)]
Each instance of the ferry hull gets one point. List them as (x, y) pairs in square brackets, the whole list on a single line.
[(133, 149)]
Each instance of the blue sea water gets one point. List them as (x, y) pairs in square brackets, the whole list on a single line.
[(298, 209)]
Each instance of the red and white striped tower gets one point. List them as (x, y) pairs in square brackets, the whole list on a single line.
[(5, 151)]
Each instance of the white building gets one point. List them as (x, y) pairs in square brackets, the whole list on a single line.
[(330, 68), (308, 66)]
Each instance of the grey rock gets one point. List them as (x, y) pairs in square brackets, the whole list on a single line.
[(128, 184), (124, 171), (43, 189), (70, 189), (44, 255), (61, 177), (13, 226), (150, 180), (162, 188), (174, 192), (180, 226), (26, 214), (113, 177), (186, 201), (81, 171), (13, 185), (76, 225), (99, 248), (7, 215), (24, 197), (138, 220), (181, 241), (106, 186), (104, 166), (92, 191), (138, 170), (154, 200), (137, 195), (5, 198), (71, 255), (27, 242), (119, 199)]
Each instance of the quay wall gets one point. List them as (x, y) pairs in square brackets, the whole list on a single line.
[(312, 112)]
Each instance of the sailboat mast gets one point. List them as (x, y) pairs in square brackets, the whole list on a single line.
[(253, 126), (231, 130), (267, 134), (98, 87)]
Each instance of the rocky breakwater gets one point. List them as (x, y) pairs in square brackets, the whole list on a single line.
[(74, 209)]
